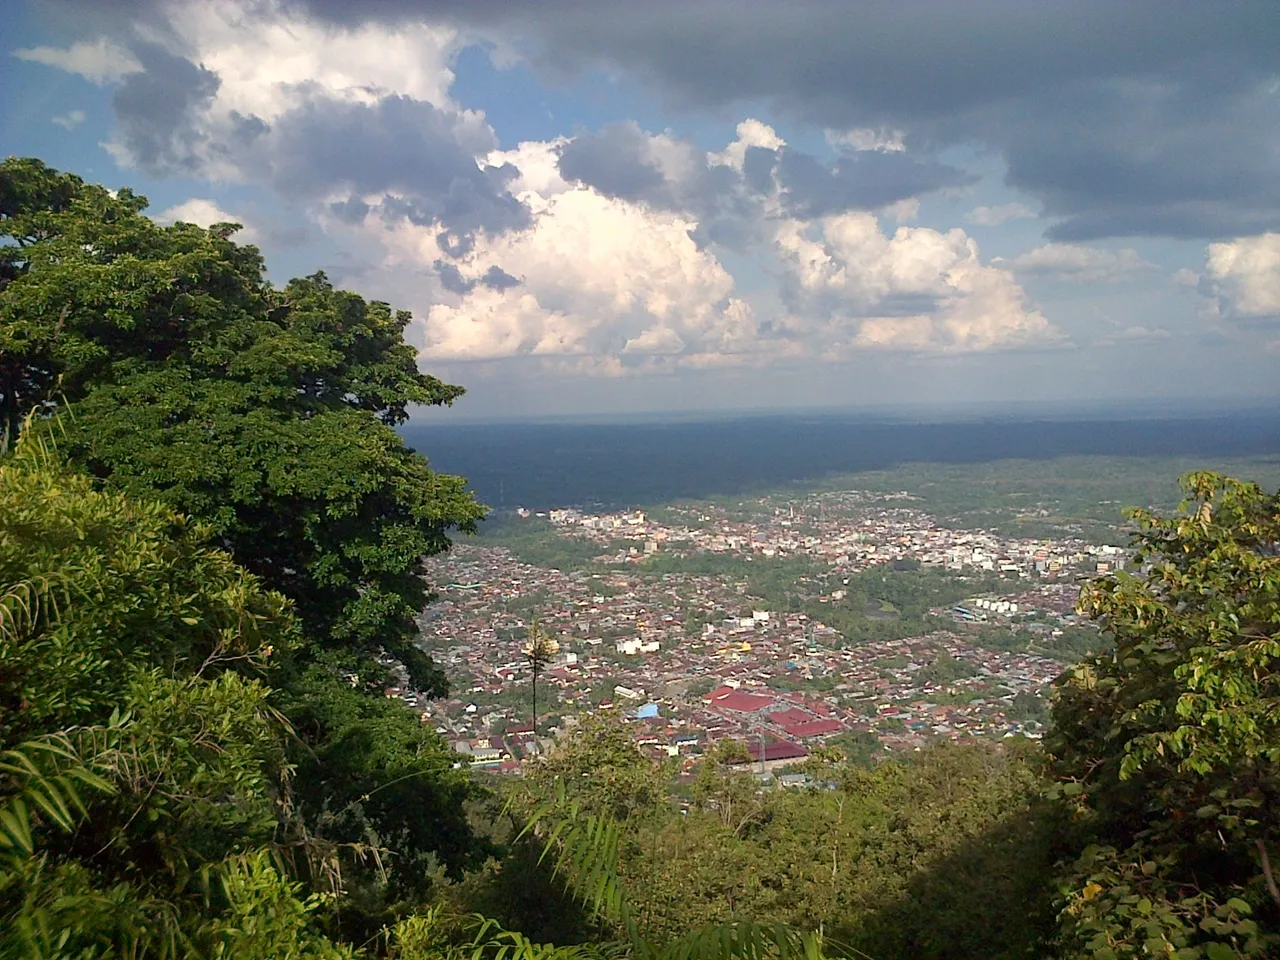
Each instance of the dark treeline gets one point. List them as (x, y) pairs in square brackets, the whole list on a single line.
[(211, 548)]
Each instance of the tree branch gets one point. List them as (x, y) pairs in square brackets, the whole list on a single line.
[(1266, 870)]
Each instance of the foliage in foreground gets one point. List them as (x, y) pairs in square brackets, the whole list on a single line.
[(917, 856), (143, 783), (1167, 746), (146, 805), (180, 376)]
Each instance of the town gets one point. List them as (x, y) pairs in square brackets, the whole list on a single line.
[(767, 622)]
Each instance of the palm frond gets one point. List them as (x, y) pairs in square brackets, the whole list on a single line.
[(584, 849), (22, 604), (43, 777), (492, 942)]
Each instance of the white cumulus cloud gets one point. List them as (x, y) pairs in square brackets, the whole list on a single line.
[(600, 276), (204, 213), (918, 290), (99, 61), (751, 133), (268, 58), (593, 277), (1243, 277)]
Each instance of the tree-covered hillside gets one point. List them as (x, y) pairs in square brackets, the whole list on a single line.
[(211, 546)]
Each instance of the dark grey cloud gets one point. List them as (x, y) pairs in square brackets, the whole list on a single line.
[(856, 64), (864, 181), (614, 162), (155, 110), (350, 211), (451, 278), (1148, 117), (415, 154), (618, 161), (1154, 117), (421, 158), (758, 164), (1119, 158), (495, 278), (456, 245)]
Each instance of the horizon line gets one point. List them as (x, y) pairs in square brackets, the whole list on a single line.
[(1188, 408)]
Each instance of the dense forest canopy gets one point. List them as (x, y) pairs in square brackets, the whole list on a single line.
[(265, 413), (160, 362), (210, 564)]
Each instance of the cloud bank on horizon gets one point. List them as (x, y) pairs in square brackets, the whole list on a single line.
[(725, 203)]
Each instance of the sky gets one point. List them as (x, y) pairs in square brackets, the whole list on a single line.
[(612, 207)]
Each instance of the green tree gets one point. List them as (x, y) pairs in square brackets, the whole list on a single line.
[(1168, 743), (603, 769), (945, 669), (268, 416), (585, 848), (539, 650), (266, 413)]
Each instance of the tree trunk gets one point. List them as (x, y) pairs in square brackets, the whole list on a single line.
[(1266, 869), (535, 702)]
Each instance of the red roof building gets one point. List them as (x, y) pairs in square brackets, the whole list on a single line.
[(821, 709), (789, 716), (814, 728), (726, 698), (781, 750)]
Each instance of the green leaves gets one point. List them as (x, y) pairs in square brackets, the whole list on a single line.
[(1119, 912), (44, 777), (585, 850), (209, 408), (138, 750), (90, 582), (265, 413), (1176, 733), (584, 847)]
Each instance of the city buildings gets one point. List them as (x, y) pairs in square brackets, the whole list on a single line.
[(709, 661)]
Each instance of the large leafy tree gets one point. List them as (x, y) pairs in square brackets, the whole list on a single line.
[(264, 412), (1169, 743), (181, 376)]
